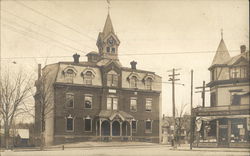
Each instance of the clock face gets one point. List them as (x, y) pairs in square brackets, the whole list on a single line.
[(111, 41)]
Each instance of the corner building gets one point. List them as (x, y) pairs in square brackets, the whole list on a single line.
[(100, 99)]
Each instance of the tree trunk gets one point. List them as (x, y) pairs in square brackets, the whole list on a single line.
[(42, 141), (6, 137)]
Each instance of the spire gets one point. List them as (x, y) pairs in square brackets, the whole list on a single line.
[(108, 27), (222, 53)]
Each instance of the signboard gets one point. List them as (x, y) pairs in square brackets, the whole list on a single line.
[(242, 131), (112, 91), (240, 126), (223, 126)]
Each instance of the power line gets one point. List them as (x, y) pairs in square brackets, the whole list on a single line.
[(54, 20), (30, 22), (45, 36)]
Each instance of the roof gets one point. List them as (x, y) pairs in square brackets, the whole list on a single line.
[(108, 27), (221, 55), (93, 53), (234, 59), (111, 114)]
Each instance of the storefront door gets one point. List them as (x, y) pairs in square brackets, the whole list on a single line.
[(223, 137)]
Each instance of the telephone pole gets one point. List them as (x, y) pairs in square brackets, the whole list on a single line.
[(203, 91), (173, 79), (191, 113)]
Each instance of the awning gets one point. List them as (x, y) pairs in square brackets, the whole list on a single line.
[(209, 118), (112, 114)]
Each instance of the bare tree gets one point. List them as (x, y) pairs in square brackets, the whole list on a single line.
[(15, 90), (182, 121), (43, 98)]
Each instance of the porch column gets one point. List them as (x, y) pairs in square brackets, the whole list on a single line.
[(110, 127), (229, 131), (217, 131), (96, 129), (100, 129), (120, 129), (130, 130), (126, 130)]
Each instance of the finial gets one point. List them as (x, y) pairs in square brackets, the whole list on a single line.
[(221, 33), (108, 1)]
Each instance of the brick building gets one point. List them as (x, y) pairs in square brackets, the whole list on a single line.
[(226, 123), (99, 99)]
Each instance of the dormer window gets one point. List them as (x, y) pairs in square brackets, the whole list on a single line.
[(148, 83), (133, 82), (88, 78), (69, 74), (88, 74)]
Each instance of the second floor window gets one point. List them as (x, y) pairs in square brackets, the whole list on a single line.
[(148, 104), (112, 80), (235, 99), (69, 100), (88, 101), (112, 103), (133, 104), (213, 99), (235, 72)]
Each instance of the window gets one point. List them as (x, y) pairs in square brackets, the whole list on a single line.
[(134, 126), (148, 104), (235, 99), (69, 75), (69, 123), (148, 83), (112, 103), (108, 49), (133, 82), (112, 80), (69, 100), (148, 126), (133, 104), (113, 50), (213, 99), (213, 78), (88, 101), (88, 124), (88, 78), (235, 72)]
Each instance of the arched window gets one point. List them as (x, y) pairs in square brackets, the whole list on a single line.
[(88, 77), (69, 74), (148, 83), (133, 82)]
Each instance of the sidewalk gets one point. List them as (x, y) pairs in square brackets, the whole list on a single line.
[(186, 147)]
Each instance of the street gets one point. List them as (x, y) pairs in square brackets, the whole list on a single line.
[(130, 151)]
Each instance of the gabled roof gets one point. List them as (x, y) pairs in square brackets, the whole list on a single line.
[(222, 54), (239, 58)]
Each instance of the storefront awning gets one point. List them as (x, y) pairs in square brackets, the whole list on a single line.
[(209, 118)]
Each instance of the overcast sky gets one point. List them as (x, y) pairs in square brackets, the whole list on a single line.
[(41, 28)]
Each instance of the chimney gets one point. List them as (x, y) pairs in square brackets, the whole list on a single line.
[(242, 48), (76, 58), (39, 71), (133, 64)]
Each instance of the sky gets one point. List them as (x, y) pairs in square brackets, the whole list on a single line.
[(150, 31)]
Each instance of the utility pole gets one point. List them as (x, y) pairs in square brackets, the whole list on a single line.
[(203, 91), (191, 113), (173, 79), (203, 87)]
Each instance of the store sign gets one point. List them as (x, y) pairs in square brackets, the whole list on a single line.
[(223, 126), (112, 91), (240, 126)]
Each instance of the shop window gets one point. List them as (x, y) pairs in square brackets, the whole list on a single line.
[(133, 104), (69, 123), (88, 124), (88, 101), (69, 100), (148, 104), (238, 131)]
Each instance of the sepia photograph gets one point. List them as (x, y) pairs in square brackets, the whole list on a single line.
[(124, 78)]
